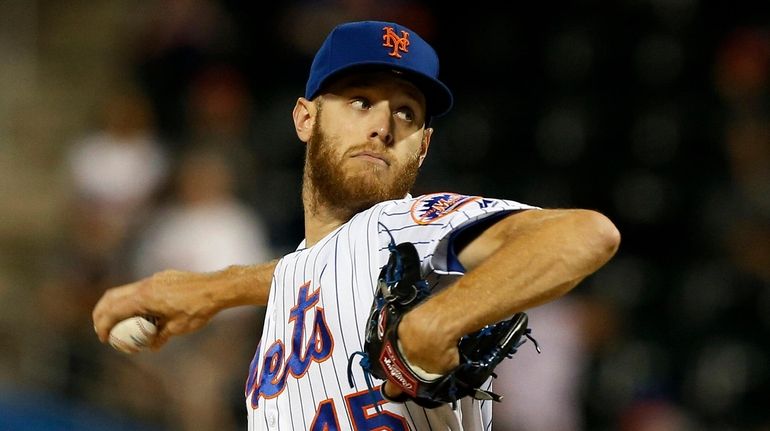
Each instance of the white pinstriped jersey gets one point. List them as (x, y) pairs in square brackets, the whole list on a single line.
[(319, 303)]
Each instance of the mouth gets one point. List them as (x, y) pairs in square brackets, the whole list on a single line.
[(371, 157)]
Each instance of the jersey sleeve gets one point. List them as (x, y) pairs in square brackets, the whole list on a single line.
[(434, 221)]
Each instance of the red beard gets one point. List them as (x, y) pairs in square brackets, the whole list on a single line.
[(353, 189)]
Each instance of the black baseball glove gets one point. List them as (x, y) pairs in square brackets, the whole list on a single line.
[(400, 288)]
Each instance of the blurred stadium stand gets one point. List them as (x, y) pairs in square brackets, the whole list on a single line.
[(655, 112)]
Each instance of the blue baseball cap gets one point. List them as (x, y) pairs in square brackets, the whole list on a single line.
[(367, 45)]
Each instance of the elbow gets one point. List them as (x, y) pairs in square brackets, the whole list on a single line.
[(601, 235)]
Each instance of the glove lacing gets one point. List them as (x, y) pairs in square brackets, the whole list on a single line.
[(366, 366), (391, 278)]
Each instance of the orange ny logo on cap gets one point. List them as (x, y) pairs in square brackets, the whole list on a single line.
[(391, 40)]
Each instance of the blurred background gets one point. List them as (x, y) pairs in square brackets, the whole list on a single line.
[(142, 135)]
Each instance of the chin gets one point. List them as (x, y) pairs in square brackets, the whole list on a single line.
[(369, 186), (371, 176)]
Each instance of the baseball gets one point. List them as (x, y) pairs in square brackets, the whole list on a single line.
[(133, 334)]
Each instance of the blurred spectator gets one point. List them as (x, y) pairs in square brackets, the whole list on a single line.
[(179, 39), (542, 392), (697, 316), (219, 114), (726, 379), (219, 106), (742, 79), (205, 228), (116, 170), (655, 415)]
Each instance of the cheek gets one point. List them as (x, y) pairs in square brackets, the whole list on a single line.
[(411, 153), (413, 142), (346, 128)]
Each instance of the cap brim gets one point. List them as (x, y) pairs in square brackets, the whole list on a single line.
[(438, 97)]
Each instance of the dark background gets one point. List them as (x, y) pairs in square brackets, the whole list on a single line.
[(653, 112)]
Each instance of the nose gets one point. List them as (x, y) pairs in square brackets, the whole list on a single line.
[(382, 125)]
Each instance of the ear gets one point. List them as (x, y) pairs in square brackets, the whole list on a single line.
[(304, 117), (425, 143)]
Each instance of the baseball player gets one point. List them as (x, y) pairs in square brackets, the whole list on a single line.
[(365, 118)]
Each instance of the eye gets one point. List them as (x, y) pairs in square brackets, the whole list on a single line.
[(405, 114), (360, 103)]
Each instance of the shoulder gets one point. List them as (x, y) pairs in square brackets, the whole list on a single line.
[(433, 221), (433, 207), (437, 214)]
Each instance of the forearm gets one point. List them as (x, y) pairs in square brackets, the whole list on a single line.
[(239, 284), (207, 293), (183, 301), (526, 262), (532, 266)]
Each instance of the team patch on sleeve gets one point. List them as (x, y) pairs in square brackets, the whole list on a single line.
[(429, 208)]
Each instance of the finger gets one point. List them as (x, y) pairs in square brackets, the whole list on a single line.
[(164, 333), (166, 330), (103, 319), (115, 305), (171, 328), (391, 391), (159, 341)]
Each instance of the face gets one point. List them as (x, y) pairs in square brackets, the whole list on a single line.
[(368, 141)]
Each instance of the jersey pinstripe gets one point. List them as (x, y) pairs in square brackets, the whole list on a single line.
[(317, 310)]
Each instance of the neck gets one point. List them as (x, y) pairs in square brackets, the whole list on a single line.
[(320, 217)]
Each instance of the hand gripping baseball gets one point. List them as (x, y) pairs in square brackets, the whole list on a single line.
[(401, 288)]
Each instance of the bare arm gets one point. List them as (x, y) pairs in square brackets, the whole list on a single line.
[(524, 260), (184, 301)]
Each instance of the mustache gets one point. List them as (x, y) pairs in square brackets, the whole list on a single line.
[(369, 148)]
